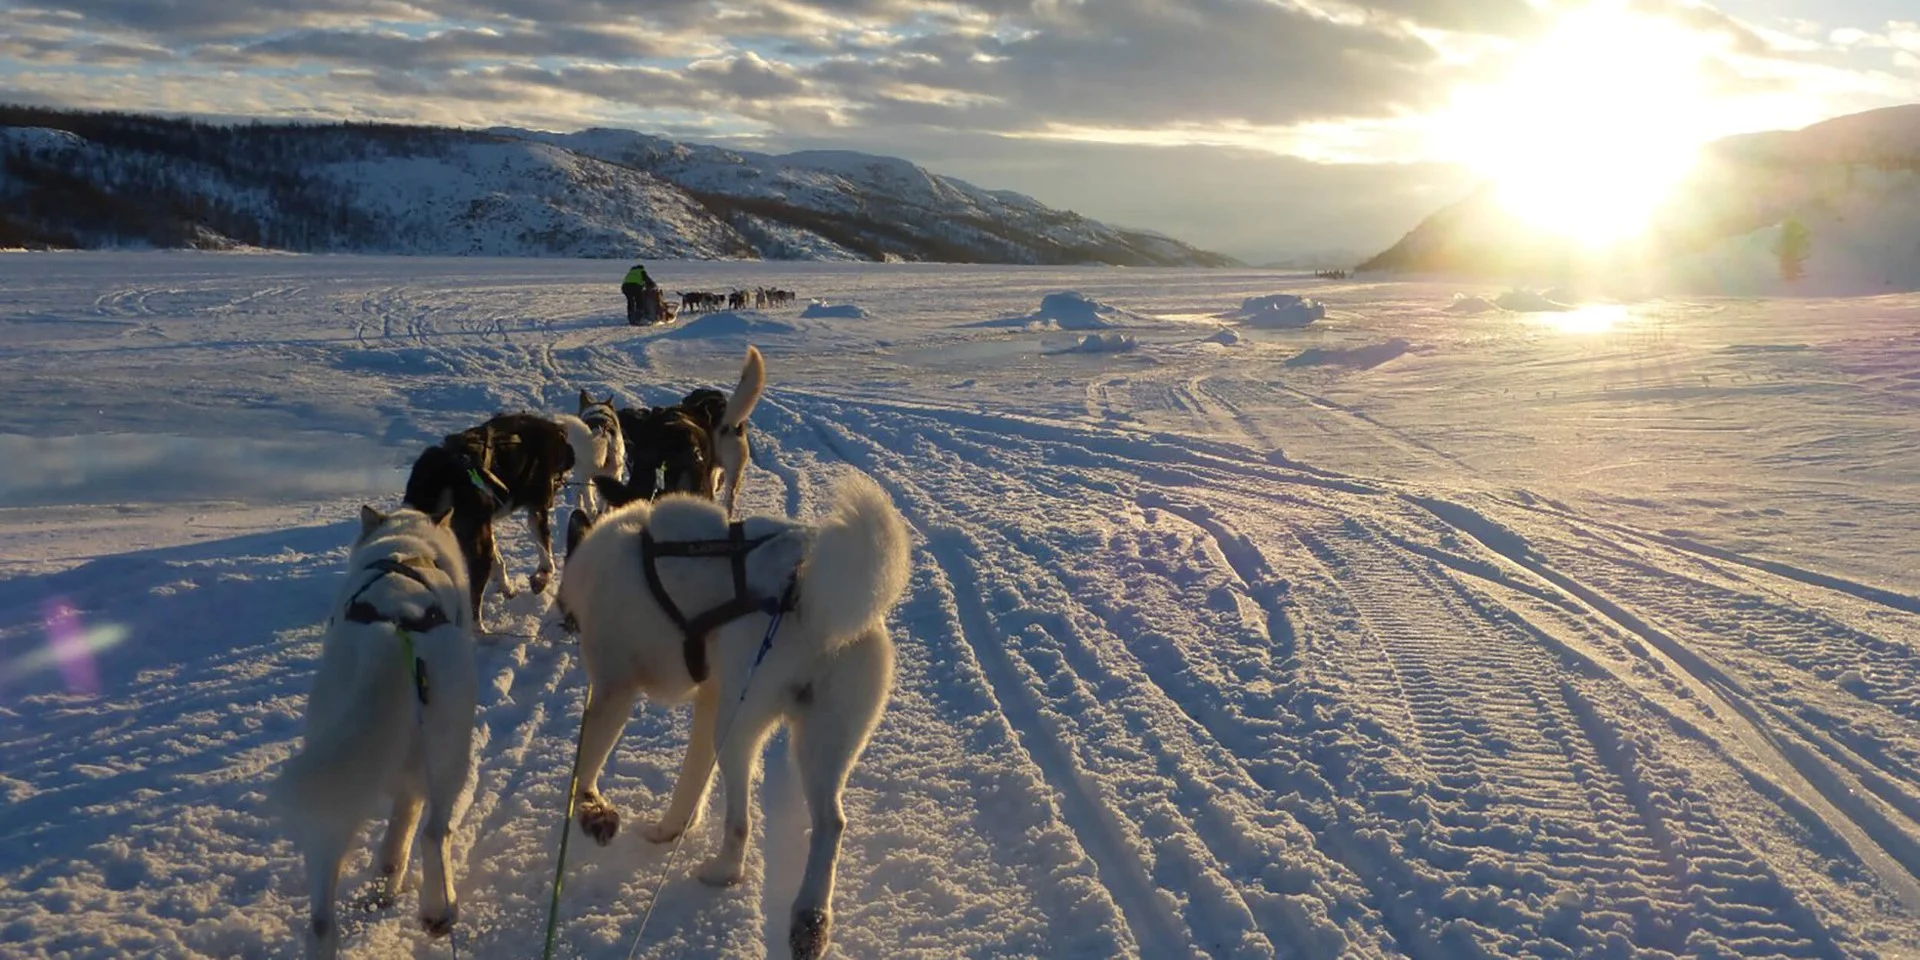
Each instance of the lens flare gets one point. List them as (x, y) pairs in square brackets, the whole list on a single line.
[(70, 648)]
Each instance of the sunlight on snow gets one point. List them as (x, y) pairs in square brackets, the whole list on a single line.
[(1595, 318)]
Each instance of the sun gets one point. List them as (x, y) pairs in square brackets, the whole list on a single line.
[(1591, 127)]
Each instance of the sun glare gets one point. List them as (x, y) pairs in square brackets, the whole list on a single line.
[(1591, 127)]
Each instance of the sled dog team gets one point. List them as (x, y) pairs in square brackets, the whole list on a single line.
[(671, 598)]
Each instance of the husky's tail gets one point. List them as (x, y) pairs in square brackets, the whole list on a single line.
[(336, 780), (859, 564), (589, 451), (753, 380)]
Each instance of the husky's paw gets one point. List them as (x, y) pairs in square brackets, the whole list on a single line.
[(599, 820), (538, 582), (439, 924), (720, 872), (662, 831), (809, 934)]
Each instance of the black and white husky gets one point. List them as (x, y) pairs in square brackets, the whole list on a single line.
[(608, 454), (514, 462), (390, 719), (679, 448), (673, 601)]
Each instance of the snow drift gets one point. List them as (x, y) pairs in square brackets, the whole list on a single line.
[(1528, 301), (1068, 310), (821, 310), (1102, 343), (1356, 358), (1469, 306), (1279, 311)]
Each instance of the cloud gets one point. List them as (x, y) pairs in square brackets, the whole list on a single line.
[(190, 20), (396, 49), (1172, 86)]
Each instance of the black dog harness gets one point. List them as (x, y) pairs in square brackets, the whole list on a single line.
[(360, 611), (481, 474), (600, 420), (695, 631)]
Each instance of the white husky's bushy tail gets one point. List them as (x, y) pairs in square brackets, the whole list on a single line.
[(336, 780), (588, 450), (753, 380), (859, 565)]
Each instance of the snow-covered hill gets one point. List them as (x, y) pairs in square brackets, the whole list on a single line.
[(863, 206), (1852, 182), (116, 180)]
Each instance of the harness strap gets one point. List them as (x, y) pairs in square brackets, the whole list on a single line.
[(693, 646), (481, 474), (695, 631), (360, 611), (415, 664)]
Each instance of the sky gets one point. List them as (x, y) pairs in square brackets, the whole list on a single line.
[(1266, 129)]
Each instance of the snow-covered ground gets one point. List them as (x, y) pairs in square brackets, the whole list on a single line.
[(1585, 633)]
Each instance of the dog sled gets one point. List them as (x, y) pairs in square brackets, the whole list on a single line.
[(649, 308)]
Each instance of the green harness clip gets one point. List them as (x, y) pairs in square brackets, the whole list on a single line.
[(418, 666)]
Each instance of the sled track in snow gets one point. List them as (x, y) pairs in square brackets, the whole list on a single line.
[(1884, 840), (1501, 727), (1520, 764)]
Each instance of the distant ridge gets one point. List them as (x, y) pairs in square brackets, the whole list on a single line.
[(73, 179)]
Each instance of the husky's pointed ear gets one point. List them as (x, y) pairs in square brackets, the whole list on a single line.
[(585, 401), (370, 520)]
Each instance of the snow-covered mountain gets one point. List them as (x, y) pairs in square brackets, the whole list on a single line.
[(1849, 186), (842, 204), (71, 179)]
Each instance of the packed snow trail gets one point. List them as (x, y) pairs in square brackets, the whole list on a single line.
[(1163, 689)]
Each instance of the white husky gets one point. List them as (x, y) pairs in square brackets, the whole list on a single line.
[(827, 674), (402, 611)]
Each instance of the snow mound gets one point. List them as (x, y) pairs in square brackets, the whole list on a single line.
[(731, 323), (1527, 301), (1067, 310), (820, 309), (1225, 337), (1070, 310), (1464, 304), (1102, 343), (1356, 358), (1278, 311)]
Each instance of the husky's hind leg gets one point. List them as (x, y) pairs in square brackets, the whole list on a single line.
[(447, 749), (696, 770), (324, 854), (499, 575), (830, 726), (540, 527), (606, 716), (396, 848), (745, 726)]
